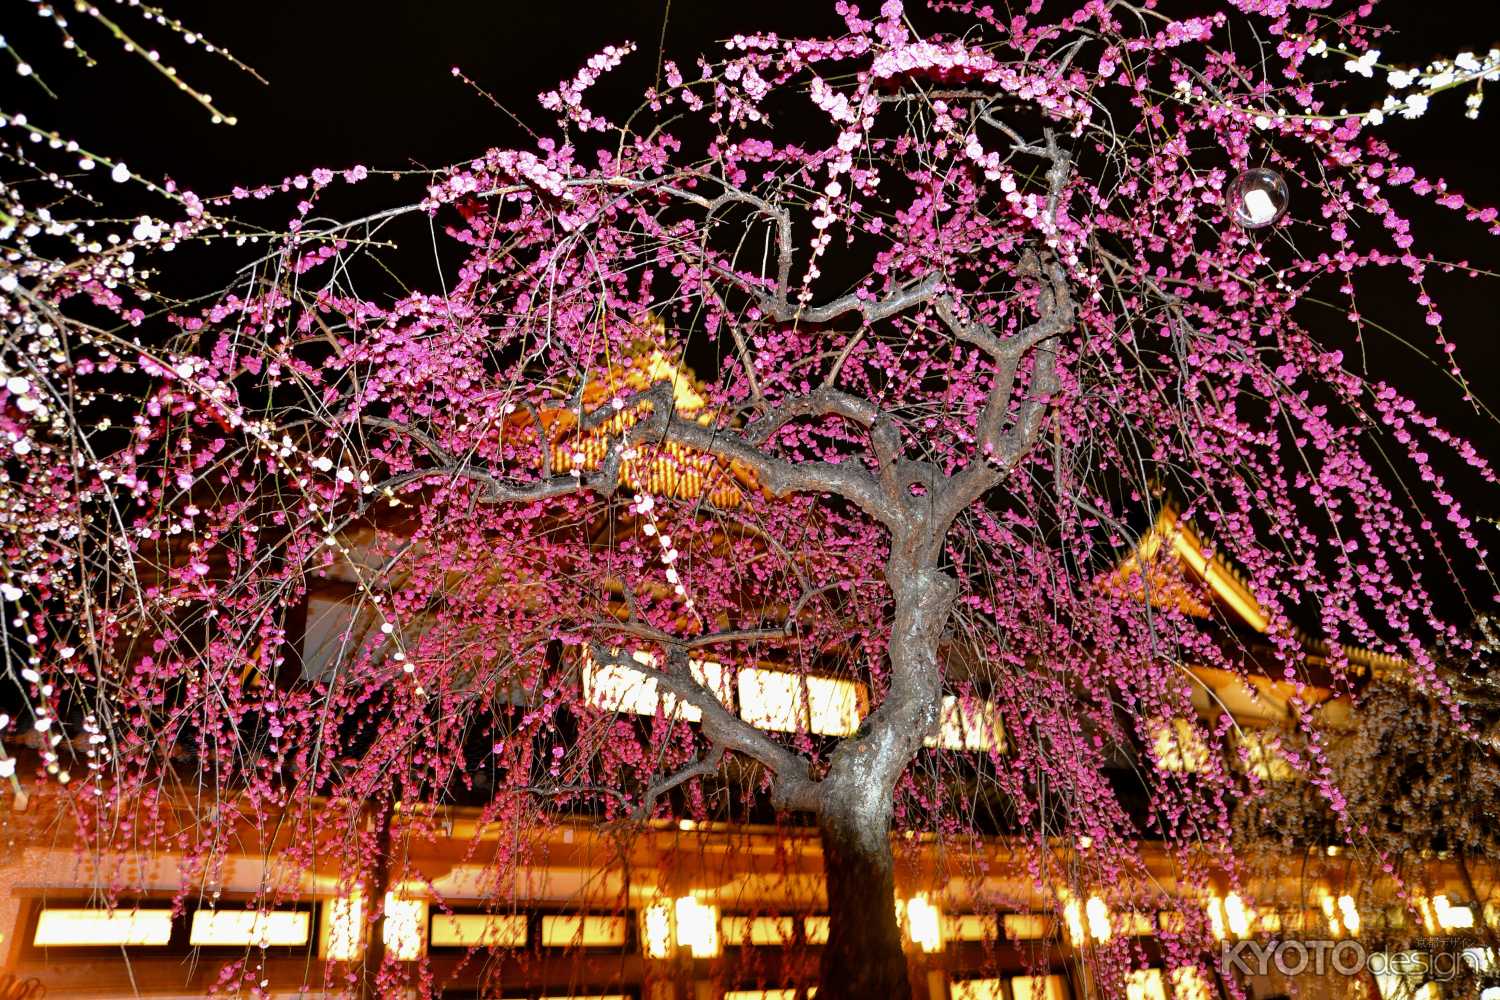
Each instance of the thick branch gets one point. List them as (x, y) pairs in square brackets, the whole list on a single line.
[(700, 641), (794, 787)]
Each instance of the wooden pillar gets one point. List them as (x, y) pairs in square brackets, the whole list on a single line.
[(379, 882)]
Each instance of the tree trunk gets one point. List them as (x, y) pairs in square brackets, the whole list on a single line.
[(863, 958)]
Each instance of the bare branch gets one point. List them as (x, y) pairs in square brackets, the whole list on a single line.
[(704, 767)]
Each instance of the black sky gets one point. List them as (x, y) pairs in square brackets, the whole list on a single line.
[(369, 82)]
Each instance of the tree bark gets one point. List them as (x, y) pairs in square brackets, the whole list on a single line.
[(863, 957)]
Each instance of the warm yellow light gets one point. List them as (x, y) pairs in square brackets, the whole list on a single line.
[(1264, 757), (1225, 586), (656, 930), (343, 927), (786, 702), (758, 931), (249, 928), (1450, 917), (1098, 917), (815, 929), (1429, 918), (1330, 912), (834, 706), (1189, 983), (771, 699), (404, 929), (1349, 914), (572, 930), (924, 924), (479, 930), (86, 928), (1038, 988), (1027, 926), (698, 927), (1235, 915), (1179, 747), (968, 724), (977, 989), (786, 993), (614, 687), (1145, 984), (971, 927), (1215, 907), (1073, 917)]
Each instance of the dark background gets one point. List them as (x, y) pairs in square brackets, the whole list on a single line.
[(370, 82)]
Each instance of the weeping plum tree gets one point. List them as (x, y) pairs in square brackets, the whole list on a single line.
[(966, 302)]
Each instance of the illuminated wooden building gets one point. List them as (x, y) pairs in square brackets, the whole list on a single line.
[(700, 911)]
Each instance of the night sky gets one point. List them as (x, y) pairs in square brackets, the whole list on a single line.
[(370, 82)]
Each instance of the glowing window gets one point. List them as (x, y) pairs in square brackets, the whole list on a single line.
[(572, 931), (478, 930), (771, 931), (1450, 917), (968, 724), (1039, 988), (1073, 917), (343, 927), (698, 927), (1264, 757), (656, 930), (977, 989), (1236, 915), (1179, 747), (780, 701), (1145, 984), (781, 994), (1027, 926), (772, 699), (815, 929), (1098, 918), (1215, 909), (834, 705), (87, 928), (1349, 913), (1189, 983), (924, 924), (971, 927), (404, 929), (249, 928), (617, 688)]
